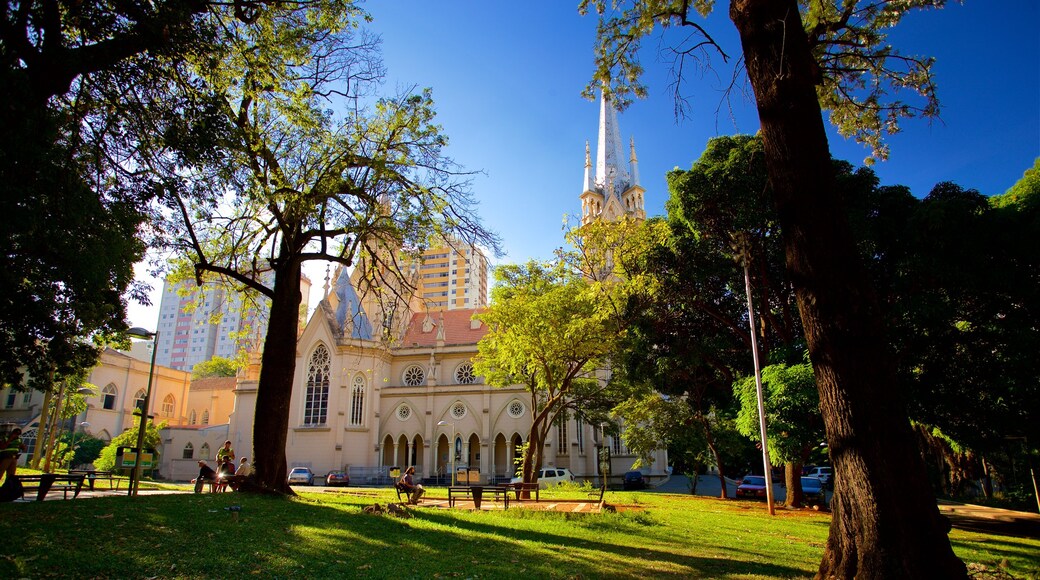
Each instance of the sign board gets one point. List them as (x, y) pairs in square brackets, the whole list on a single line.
[(129, 460)]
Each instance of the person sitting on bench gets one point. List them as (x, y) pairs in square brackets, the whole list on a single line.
[(407, 484), (206, 473)]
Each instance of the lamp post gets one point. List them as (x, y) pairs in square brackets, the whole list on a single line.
[(451, 447), (135, 475)]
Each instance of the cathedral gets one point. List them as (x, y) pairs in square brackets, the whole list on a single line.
[(362, 406)]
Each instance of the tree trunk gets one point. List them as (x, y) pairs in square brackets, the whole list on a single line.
[(793, 481), (710, 438), (886, 523), (271, 421)]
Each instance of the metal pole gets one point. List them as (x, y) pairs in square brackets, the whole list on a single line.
[(452, 451), (135, 475), (758, 387)]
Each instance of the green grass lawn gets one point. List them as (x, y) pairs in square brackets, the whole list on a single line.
[(326, 535)]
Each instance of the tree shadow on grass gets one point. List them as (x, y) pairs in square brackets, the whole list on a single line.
[(197, 536)]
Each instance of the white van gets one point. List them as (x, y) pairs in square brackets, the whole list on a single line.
[(824, 474)]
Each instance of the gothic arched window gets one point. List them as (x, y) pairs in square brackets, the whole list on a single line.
[(168, 406), (108, 397), (139, 399), (316, 403), (357, 400)]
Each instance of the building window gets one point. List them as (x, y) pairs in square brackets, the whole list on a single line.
[(192, 417), (26, 397), (515, 409), (316, 404), (204, 451), (579, 435), (189, 452), (108, 397), (139, 399), (404, 412), (168, 405), (561, 435), (205, 417), (458, 411), (357, 400), (11, 395), (464, 374), (414, 376)]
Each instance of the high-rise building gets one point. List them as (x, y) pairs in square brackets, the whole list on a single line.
[(194, 328), (452, 277)]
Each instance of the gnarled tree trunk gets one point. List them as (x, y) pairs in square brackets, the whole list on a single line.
[(886, 523), (271, 421)]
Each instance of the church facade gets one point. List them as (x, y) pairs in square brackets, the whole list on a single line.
[(366, 406)]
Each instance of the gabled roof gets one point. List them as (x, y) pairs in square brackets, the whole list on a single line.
[(454, 327)]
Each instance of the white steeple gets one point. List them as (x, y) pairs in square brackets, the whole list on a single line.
[(588, 184), (634, 162), (610, 162)]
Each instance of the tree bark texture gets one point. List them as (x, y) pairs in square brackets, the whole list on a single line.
[(274, 391), (886, 523)]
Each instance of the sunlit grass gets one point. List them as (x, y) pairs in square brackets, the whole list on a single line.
[(326, 535)]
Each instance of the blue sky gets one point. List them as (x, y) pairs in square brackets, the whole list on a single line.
[(507, 79)]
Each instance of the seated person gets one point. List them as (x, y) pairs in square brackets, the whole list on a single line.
[(225, 474), (244, 471), (407, 484), (206, 474)]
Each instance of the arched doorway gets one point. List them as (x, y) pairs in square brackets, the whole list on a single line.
[(388, 452), (502, 465), (443, 457)]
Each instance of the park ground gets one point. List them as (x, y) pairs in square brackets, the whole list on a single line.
[(325, 533)]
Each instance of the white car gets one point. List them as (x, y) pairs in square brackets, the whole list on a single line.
[(824, 474), (301, 476), (549, 476)]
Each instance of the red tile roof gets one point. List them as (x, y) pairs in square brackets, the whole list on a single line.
[(458, 328)]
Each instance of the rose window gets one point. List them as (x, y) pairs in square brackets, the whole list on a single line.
[(414, 376), (516, 409), (464, 374)]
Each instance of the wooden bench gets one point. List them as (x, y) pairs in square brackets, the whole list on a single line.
[(524, 490), (48, 482), (597, 494), (92, 476), (477, 493)]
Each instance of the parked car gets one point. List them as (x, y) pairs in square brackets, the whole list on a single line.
[(301, 476), (634, 480), (337, 478), (549, 476), (826, 475), (753, 487), (815, 494)]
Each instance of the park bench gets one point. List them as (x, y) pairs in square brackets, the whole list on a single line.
[(477, 493), (48, 482), (596, 495), (403, 495), (93, 475), (524, 491)]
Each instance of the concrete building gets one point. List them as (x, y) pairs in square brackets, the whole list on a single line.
[(453, 277), (196, 325)]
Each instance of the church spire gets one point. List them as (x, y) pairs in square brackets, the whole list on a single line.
[(634, 162), (610, 161), (588, 184)]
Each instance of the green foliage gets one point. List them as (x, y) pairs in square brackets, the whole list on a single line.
[(548, 330), (793, 422), (867, 85), (217, 366), (106, 461), (1025, 192)]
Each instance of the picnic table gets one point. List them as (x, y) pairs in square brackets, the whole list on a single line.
[(93, 475), (47, 482)]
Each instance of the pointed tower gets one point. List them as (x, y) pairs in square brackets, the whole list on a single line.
[(614, 191)]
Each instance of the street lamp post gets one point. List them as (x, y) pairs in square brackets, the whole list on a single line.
[(451, 447), (135, 474)]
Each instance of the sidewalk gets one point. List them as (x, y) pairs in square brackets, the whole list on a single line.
[(978, 518)]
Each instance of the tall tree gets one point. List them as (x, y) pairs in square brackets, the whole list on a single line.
[(73, 225), (549, 330), (886, 523), (794, 424), (301, 163)]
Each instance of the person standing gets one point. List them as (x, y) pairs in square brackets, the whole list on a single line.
[(225, 453), (10, 450)]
